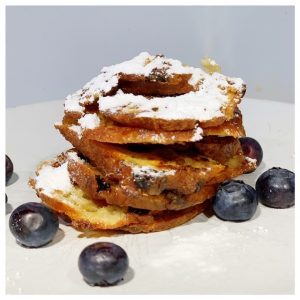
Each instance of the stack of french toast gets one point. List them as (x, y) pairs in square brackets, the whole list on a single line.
[(152, 140)]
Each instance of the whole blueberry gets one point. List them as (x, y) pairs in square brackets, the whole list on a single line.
[(235, 201), (252, 149), (9, 168), (103, 264), (276, 188), (33, 224)]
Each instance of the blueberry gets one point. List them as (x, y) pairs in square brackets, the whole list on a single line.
[(276, 188), (103, 264), (9, 168), (235, 201), (33, 224), (252, 148)]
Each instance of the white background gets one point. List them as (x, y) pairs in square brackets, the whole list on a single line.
[(53, 51)]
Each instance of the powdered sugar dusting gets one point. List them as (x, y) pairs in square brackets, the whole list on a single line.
[(197, 134), (203, 248), (159, 138), (51, 179), (188, 106), (261, 230), (72, 105), (151, 172), (77, 129), (207, 248), (89, 121), (74, 156), (144, 64)]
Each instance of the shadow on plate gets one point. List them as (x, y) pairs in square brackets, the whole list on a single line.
[(128, 276), (66, 221), (8, 208), (202, 217), (13, 179), (100, 233), (251, 178), (257, 213), (58, 237)]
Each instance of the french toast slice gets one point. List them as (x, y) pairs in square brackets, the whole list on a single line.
[(97, 187), (68, 200), (183, 112), (158, 93), (110, 132), (156, 168)]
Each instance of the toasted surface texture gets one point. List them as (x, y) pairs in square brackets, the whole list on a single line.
[(180, 168), (110, 132), (87, 214), (96, 186), (101, 217)]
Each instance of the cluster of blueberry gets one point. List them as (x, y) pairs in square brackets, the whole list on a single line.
[(237, 201), (34, 225)]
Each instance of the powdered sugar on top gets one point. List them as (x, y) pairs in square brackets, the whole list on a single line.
[(77, 129), (204, 104), (89, 121), (52, 179), (144, 64), (72, 105), (187, 106)]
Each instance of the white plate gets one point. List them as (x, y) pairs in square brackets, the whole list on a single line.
[(204, 256)]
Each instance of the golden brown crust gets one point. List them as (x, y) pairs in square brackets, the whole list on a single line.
[(233, 127), (111, 133), (167, 220), (132, 120), (124, 135), (188, 171), (219, 149), (75, 216), (166, 201), (131, 222), (116, 163), (87, 178)]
